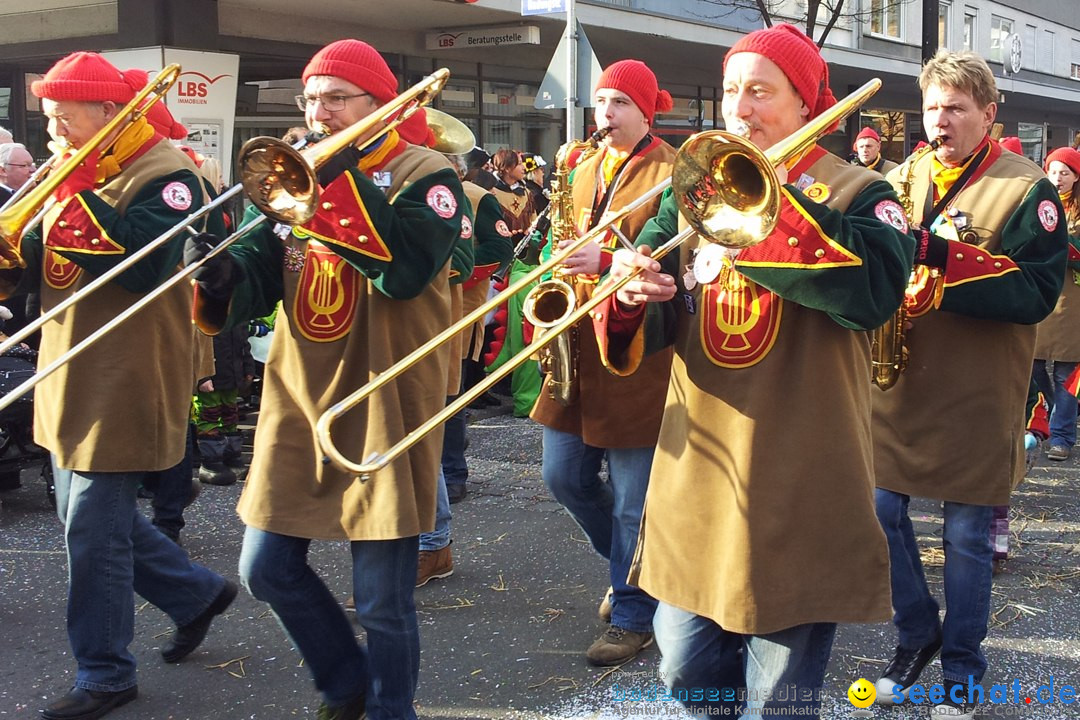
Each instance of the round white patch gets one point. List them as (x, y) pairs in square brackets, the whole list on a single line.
[(466, 227), (708, 263), (177, 195), (1048, 215), (502, 228), (889, 211), (442, 201)]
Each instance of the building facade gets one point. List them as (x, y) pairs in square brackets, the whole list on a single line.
[(1033, 48)]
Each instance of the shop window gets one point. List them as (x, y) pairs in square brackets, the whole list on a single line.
[(943, 25), (885, 18), (1031, 138)]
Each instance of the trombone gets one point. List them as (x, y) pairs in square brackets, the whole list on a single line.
[(278, 179), (727, 191)]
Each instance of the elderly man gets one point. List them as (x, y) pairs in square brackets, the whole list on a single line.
[(361, 284), (104, 441), (16, 167), (760, 504)]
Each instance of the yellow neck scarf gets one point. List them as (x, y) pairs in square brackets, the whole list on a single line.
[(611, 160), (375, 157), (133, 137), (944, 177)]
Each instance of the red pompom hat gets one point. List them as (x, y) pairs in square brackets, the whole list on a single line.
[(88, 77), (1012, 144), (798, 57), (866, 132), (415, 129), (1064, 155), (163, 121), (357, 62), (634, 78)]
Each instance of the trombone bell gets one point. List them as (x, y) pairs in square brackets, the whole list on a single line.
[(452, 137), (278, 181)]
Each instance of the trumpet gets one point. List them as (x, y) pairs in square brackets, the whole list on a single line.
[(280, 181), (728, 192)]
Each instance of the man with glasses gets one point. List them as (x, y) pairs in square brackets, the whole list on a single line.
[(16, 167), (361, 284)]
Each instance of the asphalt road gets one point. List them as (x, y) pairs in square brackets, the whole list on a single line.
[(504, 637)]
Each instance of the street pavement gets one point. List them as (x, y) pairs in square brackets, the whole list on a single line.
[(504, 637)]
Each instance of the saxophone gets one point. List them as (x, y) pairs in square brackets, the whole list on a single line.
[(888, 354), (551, 301)]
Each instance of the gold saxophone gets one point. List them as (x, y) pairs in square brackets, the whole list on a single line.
[(551, 301), (888, 354)]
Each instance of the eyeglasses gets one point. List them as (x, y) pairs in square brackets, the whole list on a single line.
[(330, 103), (22, 165)]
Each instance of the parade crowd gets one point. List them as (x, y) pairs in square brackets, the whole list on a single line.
[(718, 424)]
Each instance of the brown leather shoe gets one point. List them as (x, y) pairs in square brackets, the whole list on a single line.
[(616, 646), (434, 565), (1059, 452)]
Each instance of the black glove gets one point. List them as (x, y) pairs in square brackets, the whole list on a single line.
[(217, 276), (347, 158), (930, 249)]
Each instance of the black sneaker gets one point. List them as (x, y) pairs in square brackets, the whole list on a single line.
[(950, 709), (352, 710), (904, 670)]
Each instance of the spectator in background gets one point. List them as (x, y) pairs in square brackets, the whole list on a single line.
[(478, 168), (5, 136), (16, 167), (534, 179)]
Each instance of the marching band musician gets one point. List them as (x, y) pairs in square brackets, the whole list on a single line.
[(512, 192), (361, 284), (763, 466), (867, 147), (578, 436), (989, 224), (112, 205)]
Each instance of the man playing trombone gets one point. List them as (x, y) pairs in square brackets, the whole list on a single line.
[(361, 284), (759, 532), (131, 188), (579, 434)]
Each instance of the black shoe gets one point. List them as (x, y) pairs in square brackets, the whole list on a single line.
[(185, 639), (904, 670), (80, 704), (215, 473), (456, 492), (352, 710)]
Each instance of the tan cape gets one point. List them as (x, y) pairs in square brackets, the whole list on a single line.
[(1058, 336), (961, 370), (760, 510), (123, 404), (289, 489), (606, 401)]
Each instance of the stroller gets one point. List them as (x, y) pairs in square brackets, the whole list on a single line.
[(17, 448)]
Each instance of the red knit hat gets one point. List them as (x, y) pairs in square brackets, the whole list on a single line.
[(88, 77), (798, 57), (634, 78), (866, 132), (415, 129), (1064, 155), (1012, 144), (357, 62), (163, 121)]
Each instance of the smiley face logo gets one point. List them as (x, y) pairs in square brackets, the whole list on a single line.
[(862, 693)]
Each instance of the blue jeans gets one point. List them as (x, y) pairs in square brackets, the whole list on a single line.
[(274, 569), (454, 464), (114, 552), (738, 672), (609, 513), (439, 538), (1062, 402), (968, 571), (172, 490)]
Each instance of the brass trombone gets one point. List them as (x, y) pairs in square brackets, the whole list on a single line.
[(278, 179), (727, 191)]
